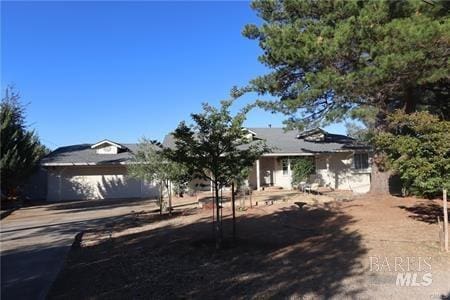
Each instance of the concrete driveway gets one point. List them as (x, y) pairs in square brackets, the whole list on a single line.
[(35, 240)]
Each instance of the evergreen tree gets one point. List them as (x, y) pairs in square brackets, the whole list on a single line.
[(20, 146), (336, 59)]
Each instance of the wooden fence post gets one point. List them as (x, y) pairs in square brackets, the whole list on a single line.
[(441, 234), (445, 220), (233, 208)]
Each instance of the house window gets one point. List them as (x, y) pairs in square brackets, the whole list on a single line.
[(285, 166), (360, 161)]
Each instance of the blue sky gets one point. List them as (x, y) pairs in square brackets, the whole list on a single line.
[(123, 70)]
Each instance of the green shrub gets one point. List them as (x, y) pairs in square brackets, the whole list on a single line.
[(417, 147), (301, 169)]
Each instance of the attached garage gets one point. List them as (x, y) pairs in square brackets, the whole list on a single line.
[(98, 171)]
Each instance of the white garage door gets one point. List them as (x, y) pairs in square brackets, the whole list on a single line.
[(94, 182)]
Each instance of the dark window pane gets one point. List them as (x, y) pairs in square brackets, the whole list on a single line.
[(360, 160), (285, 166)]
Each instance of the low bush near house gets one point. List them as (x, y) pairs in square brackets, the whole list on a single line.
[(301, 169)]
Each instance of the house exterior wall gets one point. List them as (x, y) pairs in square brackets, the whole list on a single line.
[(267, 168), (95, 182), (108, 150), (271, 173), (199, 184), (267, 172), (336, 170)]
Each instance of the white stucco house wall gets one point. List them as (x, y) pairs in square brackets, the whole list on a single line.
[(99, 171)]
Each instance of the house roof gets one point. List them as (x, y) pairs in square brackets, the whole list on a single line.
[(295, 142), (281, 141), (84, 154)]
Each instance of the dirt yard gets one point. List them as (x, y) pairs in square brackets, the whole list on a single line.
[(346, 250)]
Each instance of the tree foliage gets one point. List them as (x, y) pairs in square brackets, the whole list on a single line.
[(361, 125), (418, 148), (216, 147), (150, 163), (20, 146), (302, 168), (335, 59)]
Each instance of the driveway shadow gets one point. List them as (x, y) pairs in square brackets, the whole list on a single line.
[(289, 253), (28, 273), (100, 204)]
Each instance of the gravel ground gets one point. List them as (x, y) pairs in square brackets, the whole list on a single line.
[(348, 250)]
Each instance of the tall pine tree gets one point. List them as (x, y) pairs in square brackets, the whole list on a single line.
[(336, 59)]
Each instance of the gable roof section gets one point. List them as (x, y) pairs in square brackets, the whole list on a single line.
[(108, 142), (311, 132)]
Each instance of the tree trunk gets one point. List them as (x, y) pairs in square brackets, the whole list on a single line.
[(410, 101), (233, 208), (379, 181), (160, 198), (379, 184), (169, 188), (218, 221), (213, 212)]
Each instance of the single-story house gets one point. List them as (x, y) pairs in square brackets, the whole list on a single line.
[(340, 161), (99, 171)]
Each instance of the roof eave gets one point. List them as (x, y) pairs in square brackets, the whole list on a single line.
[(272, 154), (109, 142), (69, 164)]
